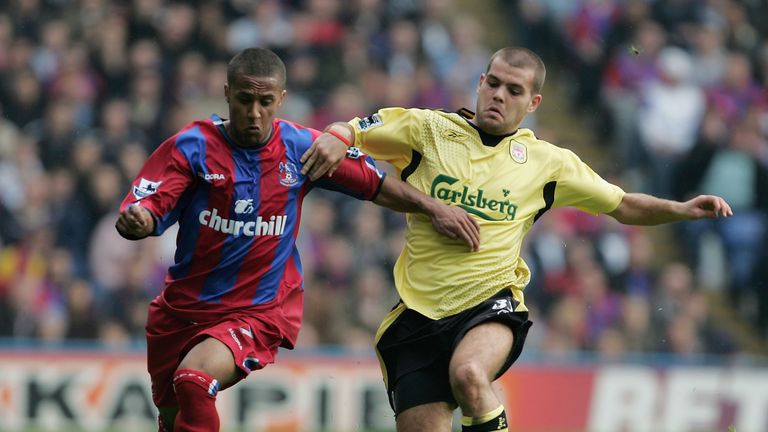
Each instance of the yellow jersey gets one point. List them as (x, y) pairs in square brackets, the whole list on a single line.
[(505, 187)]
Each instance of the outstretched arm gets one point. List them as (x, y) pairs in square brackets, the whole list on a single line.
[(451, 221), (642, 209)]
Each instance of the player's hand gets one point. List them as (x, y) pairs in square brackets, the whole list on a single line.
[(323, 157), (135, 222), (455, 223), (707, 207)]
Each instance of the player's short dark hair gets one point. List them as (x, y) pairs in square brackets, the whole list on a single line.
[(520, 57), (259, 62)]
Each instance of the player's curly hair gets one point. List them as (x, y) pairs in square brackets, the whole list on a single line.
[(259, 62), (520, 57)]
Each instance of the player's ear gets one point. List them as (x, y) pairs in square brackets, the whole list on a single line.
[(535, 102), (226, 92), (282, 97), (480, 82)]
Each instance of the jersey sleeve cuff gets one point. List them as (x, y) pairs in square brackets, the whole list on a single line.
[(378, 188)]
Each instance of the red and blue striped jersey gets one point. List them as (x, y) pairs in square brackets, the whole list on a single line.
[(238, 211)]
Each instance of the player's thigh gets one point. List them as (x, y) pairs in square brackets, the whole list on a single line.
[(431, 417), (487, 346), (215, 359), (167, 337)]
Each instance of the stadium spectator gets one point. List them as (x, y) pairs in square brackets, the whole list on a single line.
[(234, 293), (454, 333), (626, 74), (726, 160), (565, 328), (82, 317), (586, 30), (639, 275), (670, 112), (709, 56), (24, 100), (738, 92), (636, 324)]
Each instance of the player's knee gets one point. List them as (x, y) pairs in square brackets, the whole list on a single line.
[(213, 358), (166, 417), (468, 379)]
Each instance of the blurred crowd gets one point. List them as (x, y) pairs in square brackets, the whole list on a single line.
[(676, 91), (88, 88)]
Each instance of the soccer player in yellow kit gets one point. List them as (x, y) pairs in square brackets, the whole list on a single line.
[(463, 320)]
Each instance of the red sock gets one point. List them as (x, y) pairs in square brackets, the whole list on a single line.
[(196, 394)]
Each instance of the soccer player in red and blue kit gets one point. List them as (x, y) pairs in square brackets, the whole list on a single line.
[(234, 293)]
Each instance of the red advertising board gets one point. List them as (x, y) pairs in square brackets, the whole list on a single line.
[(95, 391)]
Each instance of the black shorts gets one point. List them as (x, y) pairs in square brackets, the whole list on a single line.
[(416, 350)]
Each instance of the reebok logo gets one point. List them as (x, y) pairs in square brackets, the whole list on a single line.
[(453, 135), (262, 226)]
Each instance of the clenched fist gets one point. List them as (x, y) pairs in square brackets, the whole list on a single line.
[(135, 222)]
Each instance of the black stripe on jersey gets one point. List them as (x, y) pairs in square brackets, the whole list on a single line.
[(466, 113), (415, 161), (549, 198)]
